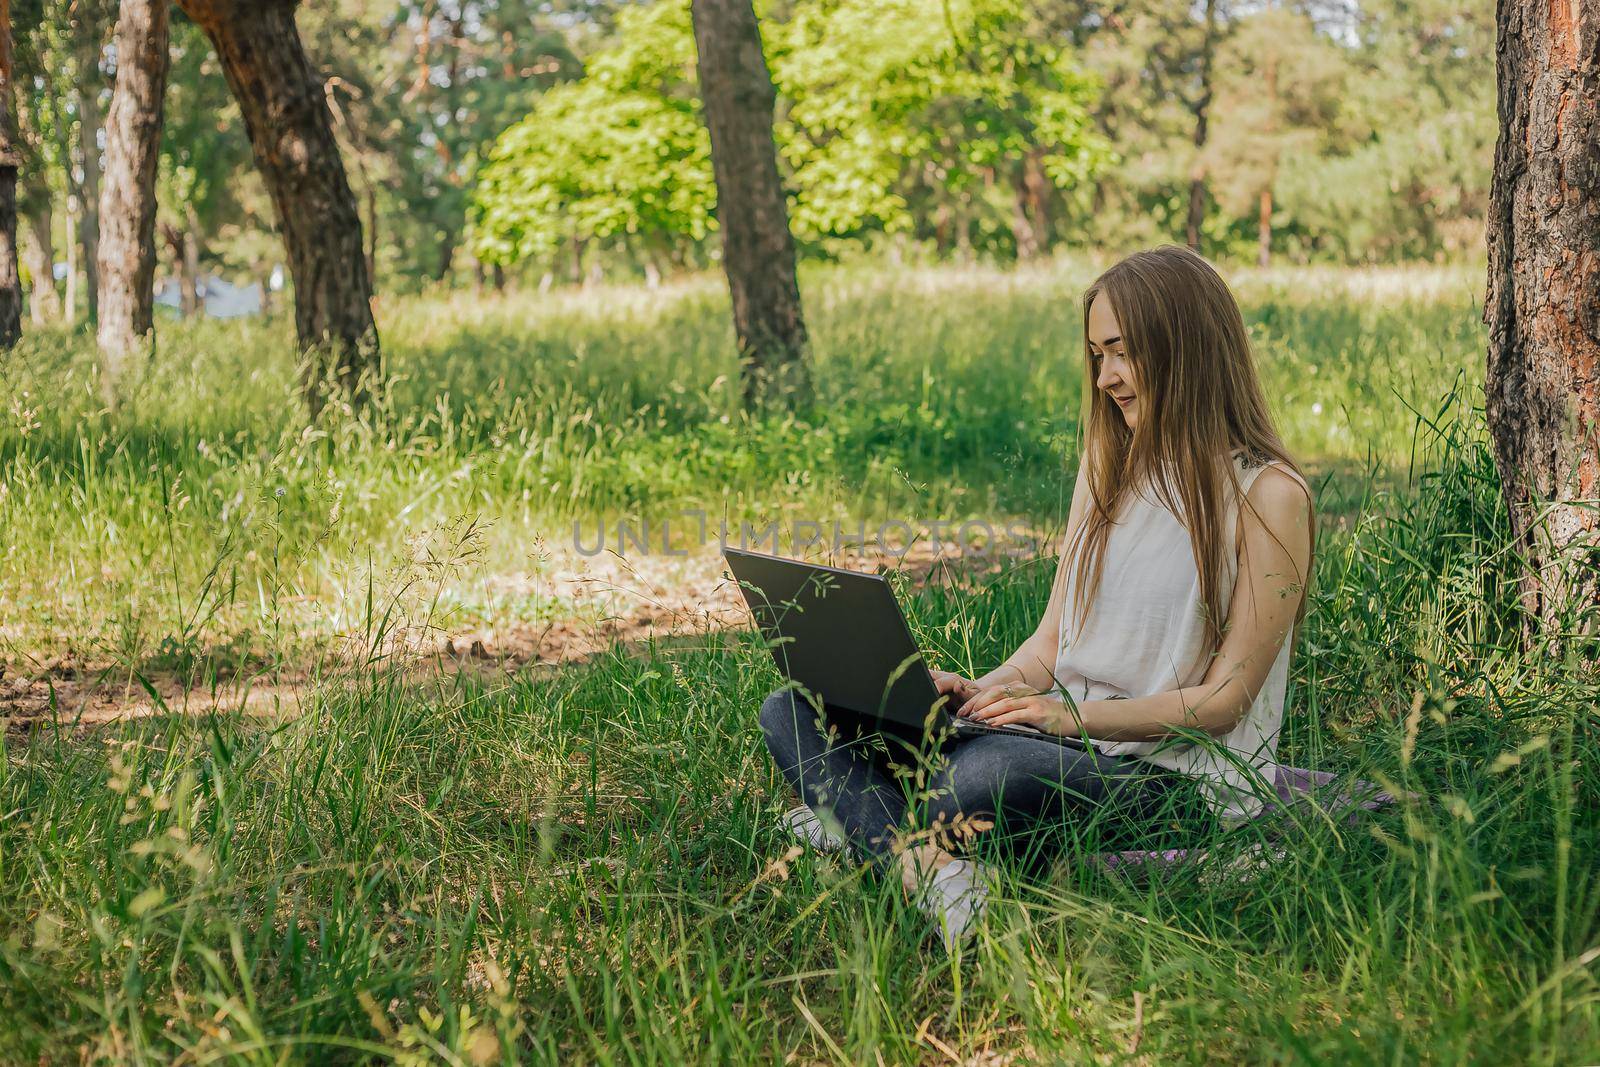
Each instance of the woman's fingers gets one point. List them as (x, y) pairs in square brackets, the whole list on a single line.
[(1012, 691), (979, 700), (989, 703)]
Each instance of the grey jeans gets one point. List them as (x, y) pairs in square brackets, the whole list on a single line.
[(1032, 797)]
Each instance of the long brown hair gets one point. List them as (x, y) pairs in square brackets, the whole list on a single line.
[(1200, 403)]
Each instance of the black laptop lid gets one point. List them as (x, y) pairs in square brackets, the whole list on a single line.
[(839, 634)]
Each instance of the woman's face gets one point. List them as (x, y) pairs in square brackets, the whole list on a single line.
[(1113, 372)]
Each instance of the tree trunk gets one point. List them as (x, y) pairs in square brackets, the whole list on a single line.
[(1022, 230), (577, 260), (447, 255), (757, 248), (189, 272), (10, 163), (1038, 187), (44, 303), (291, 135), (372, 231), (70, 312), (1202, 120), (1264, 228), (88, 96), (1202, 112), (128, 203), (1543, 303)]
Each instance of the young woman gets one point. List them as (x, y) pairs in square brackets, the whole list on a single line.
[(1182, 574)]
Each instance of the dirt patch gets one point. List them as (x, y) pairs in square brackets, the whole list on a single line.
[(613, 599)]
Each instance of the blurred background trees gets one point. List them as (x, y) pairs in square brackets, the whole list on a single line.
[(489, 141)]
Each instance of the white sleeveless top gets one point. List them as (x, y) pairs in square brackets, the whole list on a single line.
[(1146, 634)]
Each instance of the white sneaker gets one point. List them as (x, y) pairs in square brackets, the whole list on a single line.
[(955, 898), (804, 824)]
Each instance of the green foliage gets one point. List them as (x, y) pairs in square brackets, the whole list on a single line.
[(902, 112), (1417, 184), (1371, 128), (420, 91), (891, 119), (620, 154)]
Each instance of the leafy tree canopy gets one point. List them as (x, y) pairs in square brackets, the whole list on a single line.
[(891, 114)]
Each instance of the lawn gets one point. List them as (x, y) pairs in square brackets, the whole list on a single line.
[(574, 858)]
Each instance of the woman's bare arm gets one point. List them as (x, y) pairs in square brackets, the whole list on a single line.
[(1274, 560), (1274, 557)]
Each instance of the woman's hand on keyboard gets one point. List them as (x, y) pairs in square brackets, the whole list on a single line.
[(960, 689), (1021, 705)]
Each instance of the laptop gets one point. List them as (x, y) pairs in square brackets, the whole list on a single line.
[(841, 636)]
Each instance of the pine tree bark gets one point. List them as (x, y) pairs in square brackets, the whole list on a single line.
[(10, 163), (127, 263), (88, 98), (757, 247), (1543, 303), (291, 135)]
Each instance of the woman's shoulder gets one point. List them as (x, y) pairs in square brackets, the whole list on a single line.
[(1260, 468)]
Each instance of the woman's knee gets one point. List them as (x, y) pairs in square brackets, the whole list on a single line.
[(785, 719), (963, 797)]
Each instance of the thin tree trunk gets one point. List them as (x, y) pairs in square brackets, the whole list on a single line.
[(941, 229), (1038, 187), (447, 255), (10, 163), (757, 247), (1264, 203), (291, 136), (127, 264), (372, 227), (1264, 227), (1022, 231), (189, 269), (88, 97), (1543, 303), (1202, 120), (70, 311), (44, 303)]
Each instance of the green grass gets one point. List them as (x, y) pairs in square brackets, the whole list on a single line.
[(584, 866)]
